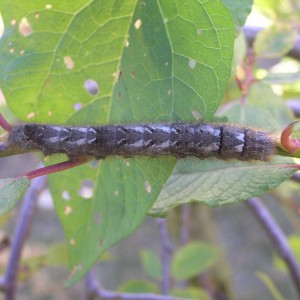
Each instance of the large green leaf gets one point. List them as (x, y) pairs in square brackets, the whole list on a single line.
[(175, 65), (43, 69), (216, 182)]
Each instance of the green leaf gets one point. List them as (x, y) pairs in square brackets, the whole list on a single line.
[(239, 10), (158, 71), (151, 264), (43, 74), (190, 293), (11, 190), (138, 286), (275, 41), (270, 285), (193, 259), (175, 64), (215, 182)]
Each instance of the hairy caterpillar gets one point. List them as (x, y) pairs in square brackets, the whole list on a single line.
[(176, 139)]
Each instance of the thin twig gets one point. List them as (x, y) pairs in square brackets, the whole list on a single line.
[(19, 236), (185, 224), (4, 243), (2, 286), (278, 238), (94, 290), (165, 256)]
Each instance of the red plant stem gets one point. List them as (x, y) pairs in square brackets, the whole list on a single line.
[(278, 238), (56, 168), (244, 85), (21, 231), (4, 124)]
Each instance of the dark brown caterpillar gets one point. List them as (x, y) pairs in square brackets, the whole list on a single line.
[(175, 139)]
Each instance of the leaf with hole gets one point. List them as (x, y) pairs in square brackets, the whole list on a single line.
[(112, 61)]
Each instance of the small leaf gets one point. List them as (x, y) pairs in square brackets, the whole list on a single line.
[(151, 264), (138, 286), (270, 285), (190, 293), (239, 10), (192, 260), (275, 41), (11, 190)]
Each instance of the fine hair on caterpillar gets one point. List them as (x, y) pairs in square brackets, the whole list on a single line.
[(180, 140)]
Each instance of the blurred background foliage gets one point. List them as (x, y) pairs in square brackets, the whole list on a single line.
[(240, 260)]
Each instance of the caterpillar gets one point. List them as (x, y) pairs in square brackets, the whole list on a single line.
[(180, 140)]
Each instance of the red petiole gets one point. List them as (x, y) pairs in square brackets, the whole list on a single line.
[(4, 124), (292, 145), (56, 168)]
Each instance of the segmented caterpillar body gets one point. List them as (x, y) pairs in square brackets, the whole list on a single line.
[(176, 139)]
